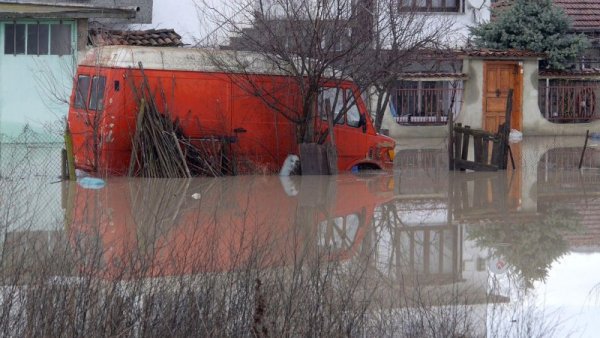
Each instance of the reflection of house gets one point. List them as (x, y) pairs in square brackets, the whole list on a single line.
[(561, 185), (40, 41)]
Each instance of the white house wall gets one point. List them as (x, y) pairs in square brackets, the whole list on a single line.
[(34, 87)]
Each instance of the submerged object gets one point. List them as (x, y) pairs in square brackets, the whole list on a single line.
[(515, 136), (290, 165), (91, 183)]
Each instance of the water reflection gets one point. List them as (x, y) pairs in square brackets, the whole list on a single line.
[(206, 225), (418, 252)]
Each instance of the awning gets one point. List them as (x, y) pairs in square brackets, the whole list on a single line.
[(31, 10)]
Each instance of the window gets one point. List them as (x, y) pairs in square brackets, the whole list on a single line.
[(37, 39), (432, 5), (60, 39), (90, 92), (339, 100), (14, 39), (426, 102), (97, 93), (569, 101), (331, 99), (352, 115)]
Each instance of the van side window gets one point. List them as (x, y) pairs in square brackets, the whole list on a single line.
[(331, 99), (97, 93), (82, 91), (352, 115)]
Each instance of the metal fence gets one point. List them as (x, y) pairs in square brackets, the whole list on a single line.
[(31, 154), (427, 102), (30, 192), (567, 101)]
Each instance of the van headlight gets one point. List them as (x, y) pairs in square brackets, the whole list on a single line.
[(391, 154)]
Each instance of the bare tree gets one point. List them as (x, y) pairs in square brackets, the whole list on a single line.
[(311, 42), (318, 41), (403, 40)]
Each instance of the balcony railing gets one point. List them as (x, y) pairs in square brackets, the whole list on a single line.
[(570, 103), (426, 106)]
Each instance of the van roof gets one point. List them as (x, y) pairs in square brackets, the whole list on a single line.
[(183, 59)]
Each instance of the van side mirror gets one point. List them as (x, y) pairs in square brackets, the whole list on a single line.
[(362, 122)]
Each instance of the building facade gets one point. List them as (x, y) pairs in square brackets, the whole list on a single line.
[(547, 102), (39, 46)]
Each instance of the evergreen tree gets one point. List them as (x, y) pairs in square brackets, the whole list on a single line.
[(535, 25)]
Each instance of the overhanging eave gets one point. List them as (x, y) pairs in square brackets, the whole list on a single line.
[(12, 11)]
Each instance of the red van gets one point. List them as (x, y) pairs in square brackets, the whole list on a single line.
[(208, 104)]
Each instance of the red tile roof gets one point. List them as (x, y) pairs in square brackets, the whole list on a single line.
[(423, 75), (508, 53), (149, 38), (584, 14)]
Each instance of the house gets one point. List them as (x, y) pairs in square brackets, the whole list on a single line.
[(546, 102), (39, 46)]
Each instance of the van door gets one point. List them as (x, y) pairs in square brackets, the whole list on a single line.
[(85, 120), (349, 136), (254, 128)]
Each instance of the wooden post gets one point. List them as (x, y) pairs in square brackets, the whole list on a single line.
[(478, 149), (313, 159), (587, 136), (64, 164), (465, 145), (450, 140), (70, 154), (457, 143), (509, 106), (485, 149)]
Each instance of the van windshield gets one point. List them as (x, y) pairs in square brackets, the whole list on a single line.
[(331, 99), (352, 115), (339, 101)]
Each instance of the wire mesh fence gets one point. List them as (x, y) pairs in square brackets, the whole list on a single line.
[(30, 174), (31, 154)]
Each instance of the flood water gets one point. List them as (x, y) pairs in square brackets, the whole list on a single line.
[(420, 251)]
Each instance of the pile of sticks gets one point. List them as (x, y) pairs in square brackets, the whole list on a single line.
[(159, 147)]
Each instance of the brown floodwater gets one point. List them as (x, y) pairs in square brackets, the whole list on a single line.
[(417, 251)]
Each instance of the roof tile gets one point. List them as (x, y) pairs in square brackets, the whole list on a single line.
[(152, 37), (585, 14)]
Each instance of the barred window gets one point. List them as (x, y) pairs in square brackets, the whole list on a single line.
[(431, 5)]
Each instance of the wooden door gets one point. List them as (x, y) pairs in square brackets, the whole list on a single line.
[(499, 77)]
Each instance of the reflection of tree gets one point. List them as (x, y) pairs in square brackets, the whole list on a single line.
[(529, 248)]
